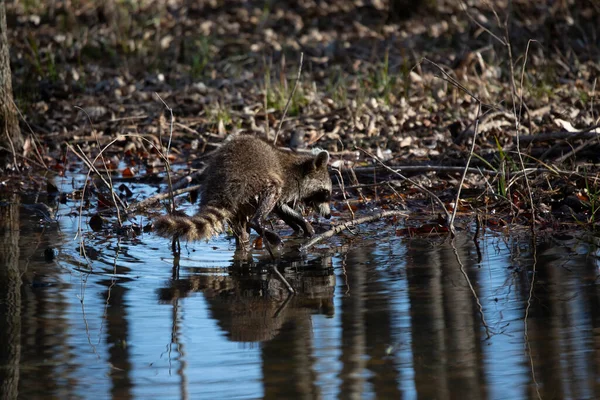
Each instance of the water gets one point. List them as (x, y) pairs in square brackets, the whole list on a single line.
[(379, 316)]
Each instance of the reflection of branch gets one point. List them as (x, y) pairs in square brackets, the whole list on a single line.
[(279, 275), (83, 314), (479, 306), (283, 305), (348, 225), (528, 310)]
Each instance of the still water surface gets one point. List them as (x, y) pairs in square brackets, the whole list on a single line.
[(374, 318)]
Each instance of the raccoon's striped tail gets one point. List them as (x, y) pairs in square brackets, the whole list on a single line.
[(208, 222)]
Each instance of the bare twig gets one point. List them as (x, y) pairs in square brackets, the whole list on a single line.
[(518, 116), (265, 103), (167, 163), (171, 123), (31, 160), (340, 180), (518, 145), (457, 84), (287, 105), (574, 151), (390, 182), (350, 224), (33, 135), (466, 10), (462, 180), (110, 182), (592, 99), (92, 167), (417, 185)]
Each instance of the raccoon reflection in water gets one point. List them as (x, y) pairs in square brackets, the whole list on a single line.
[(245, 180)]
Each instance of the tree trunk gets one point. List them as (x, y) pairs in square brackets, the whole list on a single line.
[(10, 133), (10, 300)]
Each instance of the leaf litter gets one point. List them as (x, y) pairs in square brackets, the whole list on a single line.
[(404, 86)]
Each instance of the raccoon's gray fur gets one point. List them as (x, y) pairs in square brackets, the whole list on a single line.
[(244, 181)]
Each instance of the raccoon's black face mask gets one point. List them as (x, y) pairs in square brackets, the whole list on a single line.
[(320, 202)]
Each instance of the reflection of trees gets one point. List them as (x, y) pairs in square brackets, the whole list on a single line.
[(117, 329), (379, 329), (10, 300), (288, 361), (353, 324), (564, 315), (31, 310), (445, 323), (44, 324), (367, 328)]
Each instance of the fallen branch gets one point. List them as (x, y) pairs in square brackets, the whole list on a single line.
[(586, 133), (428, 168), (186, 180), (347, 225)]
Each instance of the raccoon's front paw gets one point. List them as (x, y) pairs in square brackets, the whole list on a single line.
[(309, 231)]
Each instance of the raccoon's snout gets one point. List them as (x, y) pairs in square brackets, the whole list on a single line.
[(324, 210)]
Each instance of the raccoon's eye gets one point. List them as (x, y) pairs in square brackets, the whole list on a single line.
[(322, 196)]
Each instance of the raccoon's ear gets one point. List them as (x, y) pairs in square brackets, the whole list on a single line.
[(321, 160)]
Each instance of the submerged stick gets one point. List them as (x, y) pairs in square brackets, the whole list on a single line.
[(347, 225)]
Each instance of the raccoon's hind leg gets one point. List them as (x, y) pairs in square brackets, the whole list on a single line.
[(266, 202), (241, 232), (294, 219), (271, 236)]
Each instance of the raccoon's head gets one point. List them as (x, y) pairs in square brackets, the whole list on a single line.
[(315, 190)]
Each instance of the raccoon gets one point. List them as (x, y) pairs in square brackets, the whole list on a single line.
[(245, 180)]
